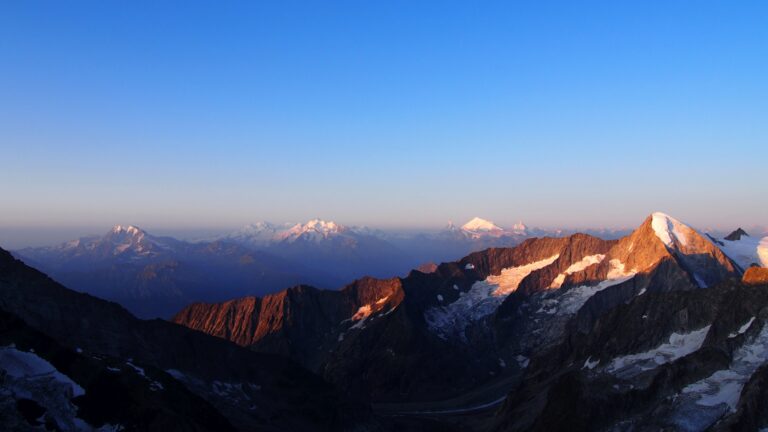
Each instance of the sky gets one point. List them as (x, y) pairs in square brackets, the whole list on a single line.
[(211, 115)]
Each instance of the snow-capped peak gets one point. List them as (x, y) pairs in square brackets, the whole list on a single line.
[(315, 229), (519, 227), (130, 230), (479, 224), (322, 226), (700, 255), (670, 231)]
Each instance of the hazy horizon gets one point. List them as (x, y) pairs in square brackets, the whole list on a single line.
[(17, 237), (192, 116)]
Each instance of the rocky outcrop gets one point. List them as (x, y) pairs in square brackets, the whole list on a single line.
[(736, 235), (302, 323), (756, 276)]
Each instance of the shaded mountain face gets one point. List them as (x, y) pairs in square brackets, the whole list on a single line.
[(157, 363), (689, 360), (472, 323), (57, 388), (155, 276)]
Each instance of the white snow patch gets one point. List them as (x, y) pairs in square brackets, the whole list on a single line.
[(510, 278), (669, 230), (29, 366), (724, 386), (481, 300), (573, 299), (589, 364), (153, 385), (314, 230), (679, 345), (362, 313), (577, 267), (479, 224), (743, 328), (439, 298), (138, 370), (746, 251)]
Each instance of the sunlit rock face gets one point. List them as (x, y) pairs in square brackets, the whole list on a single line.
[(756, 276)]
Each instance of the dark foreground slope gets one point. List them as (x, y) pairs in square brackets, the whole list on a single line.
[(253, 391), (48, 385)]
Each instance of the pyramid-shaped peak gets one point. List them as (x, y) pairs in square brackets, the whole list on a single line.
[(480, 224), (671, 231), (737, 235)]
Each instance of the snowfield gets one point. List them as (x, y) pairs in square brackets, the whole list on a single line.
[(669, 230), (679, 345), (747, 251), (577, 267), (719, 393), (27, 365), (481, 300), (570, 301)]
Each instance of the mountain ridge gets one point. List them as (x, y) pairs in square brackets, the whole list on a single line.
[(576, 275)]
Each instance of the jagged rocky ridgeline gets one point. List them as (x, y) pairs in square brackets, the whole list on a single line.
[(510, 315), (155, 276)]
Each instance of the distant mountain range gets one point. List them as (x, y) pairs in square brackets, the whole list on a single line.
[(156, 276), (353, 252)]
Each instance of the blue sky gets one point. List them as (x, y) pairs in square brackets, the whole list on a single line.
[(390, 114)]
